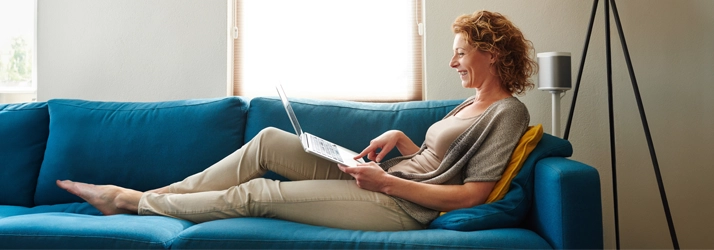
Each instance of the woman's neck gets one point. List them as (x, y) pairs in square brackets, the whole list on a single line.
[(490, 93)]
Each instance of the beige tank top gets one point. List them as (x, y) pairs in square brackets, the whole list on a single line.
[(438, 139)]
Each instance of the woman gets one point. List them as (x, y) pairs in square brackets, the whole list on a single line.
[(457, 166)]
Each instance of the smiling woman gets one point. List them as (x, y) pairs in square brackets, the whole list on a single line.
[(353, 50)]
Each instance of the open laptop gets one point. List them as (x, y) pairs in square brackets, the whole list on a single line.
[(316, 145)]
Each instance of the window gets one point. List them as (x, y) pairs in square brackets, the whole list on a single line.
[(17, 43), (367, 50)]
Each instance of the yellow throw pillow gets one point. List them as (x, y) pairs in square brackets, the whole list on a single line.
[(525, 146)]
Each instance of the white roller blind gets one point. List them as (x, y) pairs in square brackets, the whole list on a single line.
[(366, 50)]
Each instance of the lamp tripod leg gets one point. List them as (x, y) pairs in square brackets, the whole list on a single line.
[(580, 70), (645, 127), (643, 117)]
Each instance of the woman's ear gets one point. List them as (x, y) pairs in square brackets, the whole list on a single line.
[(494, 57)]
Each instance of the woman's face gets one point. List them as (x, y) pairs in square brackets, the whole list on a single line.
[(472, 64)]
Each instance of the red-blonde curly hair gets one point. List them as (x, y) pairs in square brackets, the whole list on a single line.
[(494, 33)]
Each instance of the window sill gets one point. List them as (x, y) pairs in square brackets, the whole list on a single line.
[(17, 90)]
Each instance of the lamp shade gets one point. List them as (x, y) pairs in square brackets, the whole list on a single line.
[(554, 71)]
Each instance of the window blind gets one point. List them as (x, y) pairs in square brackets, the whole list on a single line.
[(366, 50)]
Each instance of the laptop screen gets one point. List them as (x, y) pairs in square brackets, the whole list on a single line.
[(289, 110)]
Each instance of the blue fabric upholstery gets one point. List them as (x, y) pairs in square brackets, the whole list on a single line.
[(254, 233), (76, 208), (147, 145), (560, 181), (513, 208), (78, 231), (141, 146), (23, 136), (344, 122)]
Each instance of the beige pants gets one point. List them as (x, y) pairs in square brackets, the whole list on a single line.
[(318, 193)]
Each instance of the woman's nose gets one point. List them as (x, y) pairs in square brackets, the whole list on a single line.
[(453, 63)]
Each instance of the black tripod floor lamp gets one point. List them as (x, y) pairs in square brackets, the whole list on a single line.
[(636, 90)]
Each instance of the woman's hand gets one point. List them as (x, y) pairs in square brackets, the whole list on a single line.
[(383, 144), (369, 176)]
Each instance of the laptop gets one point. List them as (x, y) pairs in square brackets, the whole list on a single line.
[(316, 145)]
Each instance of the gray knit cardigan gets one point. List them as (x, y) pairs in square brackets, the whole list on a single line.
[(481, 153)]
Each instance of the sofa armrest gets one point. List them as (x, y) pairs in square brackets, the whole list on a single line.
[(567, 209)]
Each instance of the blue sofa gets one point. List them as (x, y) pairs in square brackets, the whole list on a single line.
[(553, 202)]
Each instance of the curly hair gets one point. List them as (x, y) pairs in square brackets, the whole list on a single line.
[(494, 33)]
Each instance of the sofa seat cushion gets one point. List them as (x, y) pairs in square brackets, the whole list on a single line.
[(76, 207), (141, 146), (255, 233), (513, 209), (23, 136), (78, 231)]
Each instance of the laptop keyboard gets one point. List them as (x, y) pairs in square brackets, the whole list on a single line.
[(326, 148)]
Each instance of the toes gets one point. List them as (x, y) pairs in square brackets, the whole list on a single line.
[(69, 186), (61, 184), (66, 185)]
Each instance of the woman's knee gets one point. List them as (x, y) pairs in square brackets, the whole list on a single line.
[(273, 140), (270, 132)]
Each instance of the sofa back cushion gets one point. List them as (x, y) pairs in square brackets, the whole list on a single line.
[(350, 124), (141, 146), (23, 137)]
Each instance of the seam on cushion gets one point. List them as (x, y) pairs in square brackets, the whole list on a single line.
[(9, 108), (135, 109), (380, 110), (408, 245), (20, 110), (85, 236), (167, 244), (197, 238)]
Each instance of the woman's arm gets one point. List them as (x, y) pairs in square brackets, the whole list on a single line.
[(437, 197), (386, 142), (442, 198)]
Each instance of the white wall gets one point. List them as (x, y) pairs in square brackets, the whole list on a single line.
[(131, 50), (670, 44), (137, 50)]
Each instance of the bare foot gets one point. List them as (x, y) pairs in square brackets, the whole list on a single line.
[(108, 199)]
